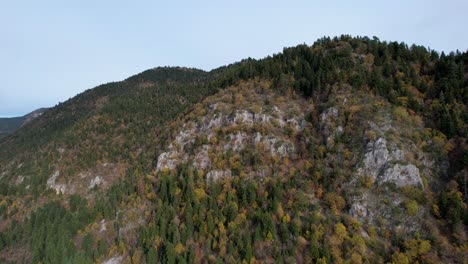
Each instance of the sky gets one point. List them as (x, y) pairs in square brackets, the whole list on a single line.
[(52, 50)]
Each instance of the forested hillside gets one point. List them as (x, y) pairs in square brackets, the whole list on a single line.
[(351, 150), (8, 125)]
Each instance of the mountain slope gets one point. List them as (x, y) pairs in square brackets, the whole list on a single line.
[(11, 124), (120, 118), (350, 149), (305, 175)]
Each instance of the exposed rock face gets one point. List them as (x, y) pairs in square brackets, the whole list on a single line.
[(202, 160), (375, 158), (101, 176), (167, 160), (359, 208), (401, 175), (59, 188), (224, 133), (390, 157), (215, 175), (238, 141), (329, 114), (368, 207), (96, 181), (102, 226), (234, 141), (33, 115), (385, 211), (113, 260), (378, 164), (329, 125), (19, 180)]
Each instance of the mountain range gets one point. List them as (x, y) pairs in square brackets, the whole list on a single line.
[(350, 150)]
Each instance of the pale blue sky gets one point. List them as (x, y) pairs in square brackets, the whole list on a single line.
[(52, 50)]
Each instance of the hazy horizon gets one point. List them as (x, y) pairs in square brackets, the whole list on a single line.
[(54, 50)]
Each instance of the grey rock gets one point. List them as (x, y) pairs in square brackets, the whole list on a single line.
[(329, 114), (376, 156), (401, 175), (215, 175), (209, 125), (59, 188), (377, 163), (202, 160), (113, 260)]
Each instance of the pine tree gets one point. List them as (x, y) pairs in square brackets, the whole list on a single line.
[(314, 249), (170, 255)]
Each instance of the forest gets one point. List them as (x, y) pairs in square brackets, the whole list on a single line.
[(298, 214)]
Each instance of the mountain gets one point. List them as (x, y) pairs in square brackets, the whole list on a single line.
[(351, 150), (11, 124)]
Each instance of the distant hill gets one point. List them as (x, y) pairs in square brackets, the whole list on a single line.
[(11, 124)]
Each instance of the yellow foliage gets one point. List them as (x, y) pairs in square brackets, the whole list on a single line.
[(435, 210), (301, 241), (400, 258), (411, 207), (199, 194), (214, 140), (356, 258), (335, 202), (448, 147), (234, 162), (369, 59), (428, 132), (321, 150), (317, 175), (240, 219), (371, 135), (356, 225), (359, 244), (121, 247), (403, 100), (417, 120), (340, 231), (238, 99), (416, 247), (372, 232), (438, 140), (222, 229), (319, 192), (242, 174), (367, 181), (179, 248), (280, 211), (286, 218), (137, 257), (150, 196), (347, 154), (401, 113), (269, 236), (355, 108), (424, 247), (322, 260), (256, 109)]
